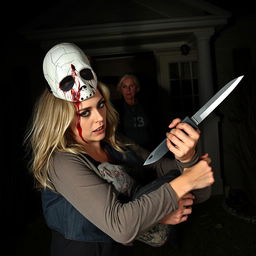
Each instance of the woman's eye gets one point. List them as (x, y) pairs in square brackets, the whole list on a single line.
[(102, 104), (84, 113)]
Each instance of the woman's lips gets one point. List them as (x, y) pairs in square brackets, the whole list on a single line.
[(99, 130)]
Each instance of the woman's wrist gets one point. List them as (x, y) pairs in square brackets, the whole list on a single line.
[(181, 185), (189, 163)]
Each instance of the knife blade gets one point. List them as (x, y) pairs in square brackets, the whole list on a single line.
[(197, 118)]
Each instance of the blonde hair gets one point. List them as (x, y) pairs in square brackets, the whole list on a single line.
[(50, 131), (133, 77)]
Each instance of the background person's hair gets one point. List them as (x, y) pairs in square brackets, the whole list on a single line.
[(125, 76)]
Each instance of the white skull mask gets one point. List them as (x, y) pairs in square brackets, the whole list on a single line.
[(68, 73)]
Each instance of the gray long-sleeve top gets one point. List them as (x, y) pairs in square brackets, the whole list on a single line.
[(75, 177)]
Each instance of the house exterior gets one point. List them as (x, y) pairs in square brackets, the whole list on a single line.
[(175, 47)]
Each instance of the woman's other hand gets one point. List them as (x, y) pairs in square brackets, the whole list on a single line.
[(181, 214)]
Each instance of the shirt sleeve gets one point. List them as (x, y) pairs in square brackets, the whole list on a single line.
[(167, 165), (96, 199), (163, 166)]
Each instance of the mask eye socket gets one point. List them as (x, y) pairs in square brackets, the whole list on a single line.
[(67, 83), (86, 74)]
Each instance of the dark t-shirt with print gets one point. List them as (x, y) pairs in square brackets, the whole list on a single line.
[(135, 123)]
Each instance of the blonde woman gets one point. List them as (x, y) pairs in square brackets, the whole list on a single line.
[(85, 170)]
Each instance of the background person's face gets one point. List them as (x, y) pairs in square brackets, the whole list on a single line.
[(128, 89)]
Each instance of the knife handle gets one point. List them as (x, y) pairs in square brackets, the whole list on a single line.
[(188, 120)]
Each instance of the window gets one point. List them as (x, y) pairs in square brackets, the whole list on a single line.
[(183, 86)]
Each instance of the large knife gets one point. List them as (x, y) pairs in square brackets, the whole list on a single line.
[(197, 118)]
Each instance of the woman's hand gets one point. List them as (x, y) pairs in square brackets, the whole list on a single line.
[(183, 211), (200, 175), (182, 140)]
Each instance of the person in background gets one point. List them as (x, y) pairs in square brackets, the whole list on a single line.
[(134, 118), (84, 169)]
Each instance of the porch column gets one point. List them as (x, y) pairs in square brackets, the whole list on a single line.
[(210, 126)]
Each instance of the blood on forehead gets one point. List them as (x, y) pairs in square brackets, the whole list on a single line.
[(75, 94), (78, 122), (73, 68)]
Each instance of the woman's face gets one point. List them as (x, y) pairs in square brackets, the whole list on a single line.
[(90, 121), (128, 89)]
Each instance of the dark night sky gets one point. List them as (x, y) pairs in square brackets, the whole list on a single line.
[(25, 11)]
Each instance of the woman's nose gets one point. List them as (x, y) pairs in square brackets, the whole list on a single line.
[(98, 116)]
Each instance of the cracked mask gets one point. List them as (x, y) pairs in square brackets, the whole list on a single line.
[(68, 73)]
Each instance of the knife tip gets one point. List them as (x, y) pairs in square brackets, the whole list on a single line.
[(148, 160)]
